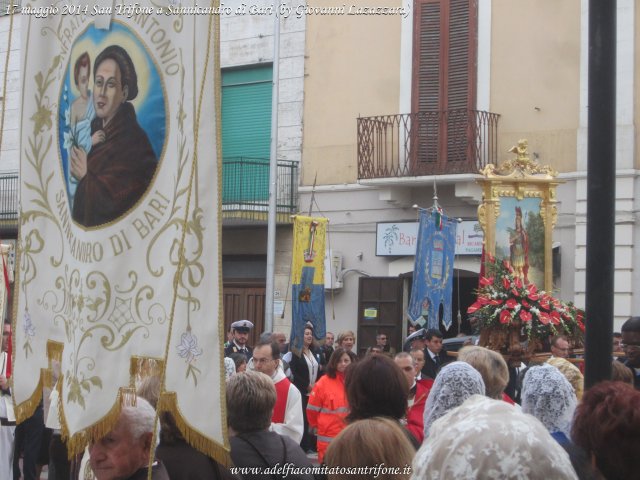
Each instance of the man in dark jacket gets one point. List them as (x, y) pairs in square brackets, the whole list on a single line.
[(239, 344), (433, 358), (251, 398)]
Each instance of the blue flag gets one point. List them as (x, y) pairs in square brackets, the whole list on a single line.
[(433, 270)]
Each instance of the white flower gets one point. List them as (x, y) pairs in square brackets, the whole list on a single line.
[(67, 116), (28, 327), (188, 347)]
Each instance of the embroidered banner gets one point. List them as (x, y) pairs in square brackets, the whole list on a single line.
[(307, 279), (119, 235), (433, 272)]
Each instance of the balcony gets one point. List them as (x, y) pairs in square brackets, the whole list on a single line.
[(458, 141), (245, 190), (9, 204)]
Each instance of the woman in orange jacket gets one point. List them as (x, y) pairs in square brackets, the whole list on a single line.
[(328, 405)]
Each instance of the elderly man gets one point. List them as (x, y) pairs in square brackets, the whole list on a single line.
[(418, 393), (418, 357), (560, 346), (287, 416), (123, 453), (251, 398), (240, 330)]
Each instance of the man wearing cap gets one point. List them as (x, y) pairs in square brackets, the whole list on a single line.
[(417, 340), (240, 330)]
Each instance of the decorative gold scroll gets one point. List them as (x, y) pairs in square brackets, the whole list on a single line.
[(520, 183)]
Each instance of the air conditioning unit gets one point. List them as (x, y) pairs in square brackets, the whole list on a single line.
[(332, 268)]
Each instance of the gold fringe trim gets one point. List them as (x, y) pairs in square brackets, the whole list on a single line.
[(54, 351), (26, 409), (167, 403), (77, 443), (47, 378)]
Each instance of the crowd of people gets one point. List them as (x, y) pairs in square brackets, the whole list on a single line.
[(418, 414), (424, 414)]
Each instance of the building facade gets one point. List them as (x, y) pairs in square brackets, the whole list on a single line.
[(457, 74), (377, 109)]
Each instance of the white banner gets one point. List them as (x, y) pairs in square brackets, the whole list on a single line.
[(119, 236)]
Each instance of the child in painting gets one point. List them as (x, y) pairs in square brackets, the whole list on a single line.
[(82, 112)]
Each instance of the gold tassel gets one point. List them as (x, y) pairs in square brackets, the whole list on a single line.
[(167, 403), (143, 367)]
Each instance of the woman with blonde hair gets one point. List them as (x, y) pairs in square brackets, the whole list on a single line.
[(492, 368), (346, 340), (375, 447), (571, 373)]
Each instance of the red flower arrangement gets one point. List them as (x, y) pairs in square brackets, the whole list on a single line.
[(504, 299)]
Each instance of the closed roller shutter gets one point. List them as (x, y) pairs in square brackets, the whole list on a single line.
[(246, 133)]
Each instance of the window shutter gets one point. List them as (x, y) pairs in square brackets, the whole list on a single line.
[(429, 71), (444, 65), (246, 134)]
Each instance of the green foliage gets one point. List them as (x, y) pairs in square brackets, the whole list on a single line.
[(535, 231)]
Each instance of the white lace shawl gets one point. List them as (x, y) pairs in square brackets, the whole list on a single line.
[(490, 439), (548, 396), (229, 367), (455, 383)]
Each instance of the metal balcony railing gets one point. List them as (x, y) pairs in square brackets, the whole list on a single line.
[(245, 188), (5, 4), (9, 200), (426, 143)]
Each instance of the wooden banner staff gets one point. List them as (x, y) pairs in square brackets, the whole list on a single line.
[(313, 194)]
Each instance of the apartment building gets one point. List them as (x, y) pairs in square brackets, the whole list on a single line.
[(397, 104)]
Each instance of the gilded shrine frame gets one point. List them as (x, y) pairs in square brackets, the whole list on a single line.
[(518, 213)]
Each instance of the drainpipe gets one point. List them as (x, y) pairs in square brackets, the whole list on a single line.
[(273, 182)]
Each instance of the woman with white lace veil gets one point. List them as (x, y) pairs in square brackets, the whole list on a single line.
[(486, 438), (548, 396), (455, 383)]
